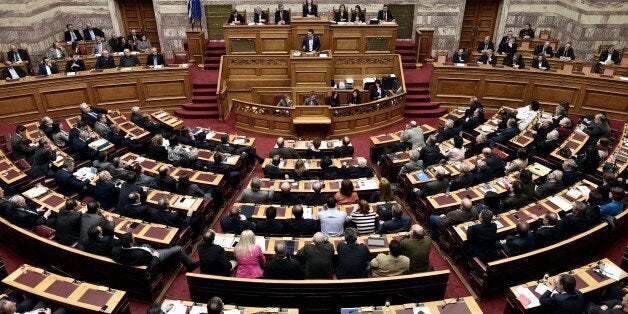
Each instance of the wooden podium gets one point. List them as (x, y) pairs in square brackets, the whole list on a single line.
[(311, 69), (196, 45)]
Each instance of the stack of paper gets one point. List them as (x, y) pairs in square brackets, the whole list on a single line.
[(421, 309), (178, 307), (611, 271), (35, 192), (166, 143), (486, 128), (161, 115), (239, 141), (367, 185), (574, 193), (561, 203), (307, 212), (185, 202), (584, 189), (261, 242), (225, 242), (85, 173), (95, 144), (209, 135)]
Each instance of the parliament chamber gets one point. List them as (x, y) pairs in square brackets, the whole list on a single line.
[(278, 162)]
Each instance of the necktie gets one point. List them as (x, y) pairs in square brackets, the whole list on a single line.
[(281, 15), (92, 36), (385, 16), (17, 57), (72, 36), (485, 46)]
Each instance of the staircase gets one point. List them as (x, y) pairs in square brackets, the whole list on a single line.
[(204, 99), (213, 51), (405, 48)]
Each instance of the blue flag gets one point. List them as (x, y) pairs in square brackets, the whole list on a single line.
[(194, 10)]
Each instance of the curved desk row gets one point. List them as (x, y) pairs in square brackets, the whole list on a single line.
[(497, 86), (32, 98)]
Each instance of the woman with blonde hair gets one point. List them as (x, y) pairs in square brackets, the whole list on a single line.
[(384, 194), (300, 171), (249, 256)]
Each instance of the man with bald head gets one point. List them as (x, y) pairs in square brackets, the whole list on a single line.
[(299, 226), (465, 213), (272, 170), (317, 198), (128, 60), (548, 233), (235, 222), (212, 257), (283, 267), (415, 135), (416, 246), (345, 150), (282, 151), (317, 258), (164, 180), (520, 243), (154, 58), (356, 172), (285, 196), (105, 61), (255, 194), (435, 186)]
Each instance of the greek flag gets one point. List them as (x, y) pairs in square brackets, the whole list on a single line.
[(194, 10)]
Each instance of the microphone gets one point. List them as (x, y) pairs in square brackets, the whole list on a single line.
[(456, 300), (65, 274), (416, 301)]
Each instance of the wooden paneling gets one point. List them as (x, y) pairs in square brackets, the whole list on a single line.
[(423, 44), (58, 96), (587, 94), (478, 22), (140, 15), (196, 46)]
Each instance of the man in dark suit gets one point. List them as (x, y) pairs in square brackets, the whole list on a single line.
[(21, 215), (260, 16), (270, 226), (482, 237), (235, 223), (75, 65), (272, 170), (486, 45), (68, 227), (317, 258), (545, 50), (317, 198), (440, 185), (81, 149), (527, 32), (516, 199), (42, 158), (18, 55), (463, 180), (346, 150), (163, 215), (12, 73), (283, 267), (164, 181), (359, 171), (553, 184), (128, 253), (283, 152), (90, 33), (134, 36), (212, 257), (235, 18), (98, 243), (128, 60), (105, 191), (563, 298), (398, 223), (89, 115), (94, 217), (570, 174), (47, 68), (299, 226), (520, 243), (504, 135), (488, 58), (136, 209), (548, 233), (67, 182), (610, 55), (224, 146), (128, 187), (576, 222), (459, 56), (540, 63), (353, 257), (218, 166), (105, 61), (20, 145), (282, 17), (311, 42), (566, 52), (284, 196), (430, 153), (505, 39), (385, 15), (72, 34), (154, 58)]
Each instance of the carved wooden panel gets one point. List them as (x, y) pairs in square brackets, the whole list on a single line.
[(456, 86), (504, 90), (67, 98), (116, 93), (18, 104), (554, 94)]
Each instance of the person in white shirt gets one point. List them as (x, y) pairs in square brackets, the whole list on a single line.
[(332, 220), (527, 114), (457, 152), (10, 72)]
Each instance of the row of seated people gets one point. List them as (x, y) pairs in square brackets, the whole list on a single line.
[(313, 151), (328, 170), (282, 16), (354, 97), (409, 254)]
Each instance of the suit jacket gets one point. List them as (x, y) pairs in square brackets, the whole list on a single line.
[(125, 190), (316, 44), (213, 260), (130, 61), (311, 10), (548, 188), (76, 32), (415, 136), (68, 183), (237, 18), (514, 202), (104, 46), (284, 153), (544, 64), (569, 53), (418, 251), (301, 227), (539, 50), (68, 226), (105, 63), (315, 199), (353, 260), (21, 148), (12, 55), (354, 172), (341, 16), (101, 246), (545, 236), (506, 49), (562, 303), (411, 166), (434, 187), (459, 58), (358, 16), (317, 259), (430, 154), (150, 59), (504, 135), (24, 217), (250, 196), (137, 211), (268, 228), (106, 193), (286, 269), (166, 183), (6, 74), (74, 66), (516, 245), (170, 218), (481, 241), (285, 14), (285, 198), (484, 59), (508, 61), (133, 256), (97, 32), (573, 224), (53, 69), (258, 17), (81, 150), (89, 220), (614, 56), (395, 225), (236, 227), (343, 151), (41, 162), (486, 46), (526, 32), (389, 16), (273, 172)]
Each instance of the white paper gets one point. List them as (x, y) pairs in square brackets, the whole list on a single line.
[(178, 308), (261, 242), (210, 135), (239, 141), (59, 158), (560, 202), (611, 271), (421, 309), (323, 145), (282, 164), (367, 185), (225, 242), (199, 310), (541, 288), (307, 213), (584, 189), (459, 64), (486, 128), (140, 159), (232, 159), (165, 143), (185, 202), (574, 193), (126, 69), (70, 73), (234, 311), (95, 144), (35, 192), (498, 224), (161, 115)]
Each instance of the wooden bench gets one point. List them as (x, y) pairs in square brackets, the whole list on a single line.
[(318, 296), (493, 277)]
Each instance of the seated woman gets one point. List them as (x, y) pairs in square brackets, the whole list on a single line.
[(249, 256), (342, 15), (333, 100), (59, 137), (143, 44), (519, 163), (365, 220), (310, 9), (457, 152), (357, 16), (616, 205), (286, 101), (77, 49), (300, 171), (346, 194), (235, 18), (314, 151), (354, 99)]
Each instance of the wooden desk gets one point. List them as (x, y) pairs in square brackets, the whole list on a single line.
[(129, 128), (311, 69), (233, 139), (189, 306), (457, 305), (57, 96), (285, 212), (10, 174), (66, 292), (90, 60), (168, 120), (619, 155), (587, 94), (575, 142), (301, 146), (329, 186), (588, 280), (312, 165), (34, 133), (105, 147)]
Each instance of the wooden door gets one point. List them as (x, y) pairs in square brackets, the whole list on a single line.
[(478, 22), (140, 15)]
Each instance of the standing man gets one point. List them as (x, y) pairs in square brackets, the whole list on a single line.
[(311, 42)]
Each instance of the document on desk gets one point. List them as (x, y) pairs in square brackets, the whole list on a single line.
[(527, 298), (367, 184), (261, 242), (239, 141), (95, 144), (201, 310), (584, 189), (421, 309), (177, 307), (186, 202), (210, 135), (561, 203), (35, 192), (223, 241), (161, 115), (307, 212)]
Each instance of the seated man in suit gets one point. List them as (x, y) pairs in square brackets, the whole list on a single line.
[(285, 196), (98, 243), (346, 150), (299, 226), (312, 100), (154, 58), (282, 17), (17, 55), (164, 181), (74, 65), (317, 257), (43, 156), (12, 73), (269, 226), (282, 151), (481, 238), (465, 213), (128, 253), (105, 61), (67, 182), (272, 170), (566, 52), (90, 33), (283, 266), (526, 32), (563, 297), (459, 56), (359, 171), (136, 208), (515, 61), (575, 222), (540, 63), (440, 185), (259, 16), (218, 166), (80, 147), (548, 233), (398, 223), (89, 115), (68, 225), (385, 15), (71, 34), (610, 56), (486, 45), (235, 222), (488, 58), (553, 184), (504, 135), (128, 60), (311, 42), (163, 215), (310, 9), (235, 18), (255, 194), (57, 51), (545, 50), (22, 215), (522, 242), (20, 145), (317, 198), (212, 257), (100, 45)]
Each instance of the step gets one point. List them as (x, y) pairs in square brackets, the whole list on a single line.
[(214, 53), (199, 107), (409, 65), (212, 60), (204, 99), (410, 59), (410, 105), (417, 97), (431, 113), (424, 88), (186, 114), (215, 44), (203, 91), (404, 43), (203, 86), (211, 66)]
